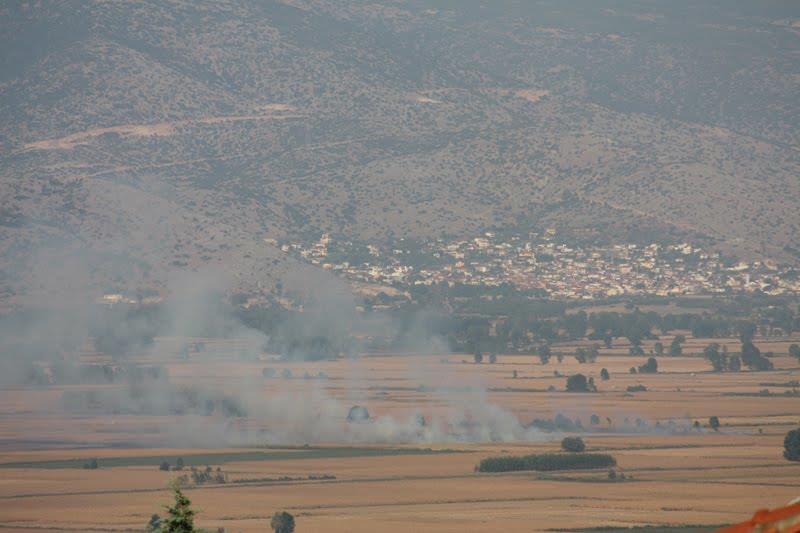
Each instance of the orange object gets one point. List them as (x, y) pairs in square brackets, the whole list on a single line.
[(781, 520)]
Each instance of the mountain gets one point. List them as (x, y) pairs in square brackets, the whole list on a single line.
[(140, 140)]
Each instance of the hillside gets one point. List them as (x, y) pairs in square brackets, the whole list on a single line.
[(140, 140)]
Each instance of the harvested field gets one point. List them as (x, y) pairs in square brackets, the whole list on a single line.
[(674, 474)]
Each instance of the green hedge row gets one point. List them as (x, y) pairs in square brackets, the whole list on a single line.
[(548, 461)]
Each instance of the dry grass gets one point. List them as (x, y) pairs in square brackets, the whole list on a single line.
[(695, 478)]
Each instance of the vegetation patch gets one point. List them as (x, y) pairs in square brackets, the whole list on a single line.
[(547, 462), (221, 458)]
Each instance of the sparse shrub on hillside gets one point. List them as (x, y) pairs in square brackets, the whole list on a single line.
[(573, 444), (791, 445), (282, 522), (547, 462)]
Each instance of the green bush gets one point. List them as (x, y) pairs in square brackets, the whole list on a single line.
[(791, 445), (573, 444), (547, 462)]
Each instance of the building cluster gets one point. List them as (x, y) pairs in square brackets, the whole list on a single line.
[(543, 263)]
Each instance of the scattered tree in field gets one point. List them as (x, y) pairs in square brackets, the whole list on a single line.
[(632, 370), (696, 425), (794, 351), (478, 357), (286, 374), (164, 466), (751, 356), (635, 350), (179, 464), (180, 517), (91, 464), (675, 347), (650, 366), (594, 420), (492, 358), (580, 355), (612, 474), (154, 524), (579, 383), (608, 341), (573, 444), (718, 360), (268, 373), (560, 357), (514, 374), (544, 352), (282, 522), (592, 352), (658, 349), (791, 445), (713, 422), (604, 375)]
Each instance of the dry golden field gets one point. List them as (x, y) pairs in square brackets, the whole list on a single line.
[(675, 475)]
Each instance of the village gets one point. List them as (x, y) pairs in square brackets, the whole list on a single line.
[(546, 266)]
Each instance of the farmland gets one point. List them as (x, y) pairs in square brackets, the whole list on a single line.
[(675, 474)]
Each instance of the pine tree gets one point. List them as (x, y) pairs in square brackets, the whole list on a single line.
[(180, 517)]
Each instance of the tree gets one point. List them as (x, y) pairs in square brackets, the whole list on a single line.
[(713, 422), (794, 351), (180, 517), (154, 525), (735, 363), (544, 352), (573, 444), (675, 347), (577, 383), (791, 445), (164, 466), (282, 522), (751, 356), (650, 367), (179, 464), (604, 375), (580, 355), (718, 361), (594, 420), (592, 352), (492, 358), (635, 350), (658, 348), (478, 357)]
